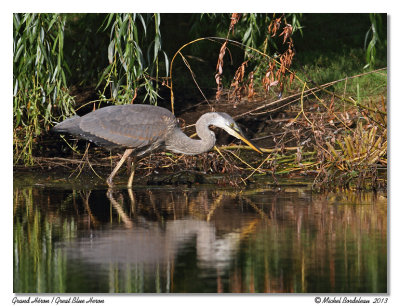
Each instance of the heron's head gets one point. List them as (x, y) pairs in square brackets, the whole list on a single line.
[(226, 122)]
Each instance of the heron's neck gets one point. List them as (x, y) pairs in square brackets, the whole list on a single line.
[(178, 142)]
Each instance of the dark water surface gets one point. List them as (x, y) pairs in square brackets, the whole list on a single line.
[(201, 239)]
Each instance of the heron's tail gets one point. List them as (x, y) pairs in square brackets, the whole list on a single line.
[(70, 125)]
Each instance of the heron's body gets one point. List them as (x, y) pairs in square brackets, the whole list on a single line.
[(143, 128)]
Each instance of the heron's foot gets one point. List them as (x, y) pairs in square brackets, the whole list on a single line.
[(110, 182), (130, 180)]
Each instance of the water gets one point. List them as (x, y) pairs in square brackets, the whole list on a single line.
[(198, 239)]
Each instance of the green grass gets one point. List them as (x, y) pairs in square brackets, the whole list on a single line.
[(333, 47), (323, 68)]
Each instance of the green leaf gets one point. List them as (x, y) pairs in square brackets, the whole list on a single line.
[(55, 73), (246, 35), (166, 64), (41, 34), (143, 23), (109, 19), (47, 112), (64, 80), (16, 22), (52, 22), (18, 113), (111, 52), (157, 17), (18, 53), (15, 87), (157, 47), (61, 42)]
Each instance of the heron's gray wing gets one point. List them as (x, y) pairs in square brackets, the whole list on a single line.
[(71, 126), (132, 126)]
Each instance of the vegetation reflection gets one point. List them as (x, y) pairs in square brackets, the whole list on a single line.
[(192, 240)]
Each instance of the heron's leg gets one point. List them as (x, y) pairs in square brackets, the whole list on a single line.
[(133, 166), (124, 217), (110, 178)]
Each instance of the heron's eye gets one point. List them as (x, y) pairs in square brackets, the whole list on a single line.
[(231, 125)]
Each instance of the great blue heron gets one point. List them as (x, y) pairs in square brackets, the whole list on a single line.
[(143, 128)]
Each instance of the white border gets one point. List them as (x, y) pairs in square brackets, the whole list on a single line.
[(339, 6)]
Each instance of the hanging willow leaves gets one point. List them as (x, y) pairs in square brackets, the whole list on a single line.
[(133, 56), (38, 77), (376, 38)]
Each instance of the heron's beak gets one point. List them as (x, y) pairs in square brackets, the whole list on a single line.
[(239, 135)]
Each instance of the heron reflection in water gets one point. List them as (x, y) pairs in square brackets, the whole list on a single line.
[(141, 129)]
